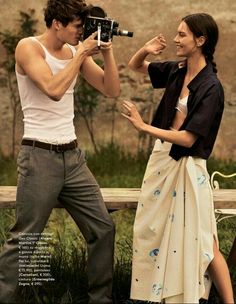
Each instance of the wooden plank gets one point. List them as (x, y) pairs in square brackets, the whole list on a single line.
[(224, 198), (7, 196), (122, 198)]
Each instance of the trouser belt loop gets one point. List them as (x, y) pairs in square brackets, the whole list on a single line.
[(33, 144)]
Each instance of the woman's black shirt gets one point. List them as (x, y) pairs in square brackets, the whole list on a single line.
[(205, 105)]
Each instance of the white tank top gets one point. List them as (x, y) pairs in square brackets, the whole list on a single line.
[(44, 119), (182, 105)]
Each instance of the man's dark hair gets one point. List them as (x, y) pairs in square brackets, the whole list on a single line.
[(202, 24), (65, 11)]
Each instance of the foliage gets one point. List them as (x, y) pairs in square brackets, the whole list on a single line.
[(226, 167), (112, 109), (27, 24), (113, 167), (9, 41), (6, 218), (8, 171)]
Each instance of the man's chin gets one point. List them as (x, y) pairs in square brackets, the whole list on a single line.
[(76, 41)]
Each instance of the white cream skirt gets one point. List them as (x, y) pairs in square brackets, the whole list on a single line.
[(174, 230)]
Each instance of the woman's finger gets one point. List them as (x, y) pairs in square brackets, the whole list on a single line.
[(125, 115), (127, 107), (128, 103)]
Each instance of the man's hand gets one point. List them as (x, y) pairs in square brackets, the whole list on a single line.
[(105, 46), (91, 47), (156, 45)]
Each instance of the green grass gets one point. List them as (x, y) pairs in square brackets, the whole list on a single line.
[(8, 172), (112, 168), (224, 167)]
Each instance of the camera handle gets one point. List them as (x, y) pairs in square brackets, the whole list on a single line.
[(99, 35)]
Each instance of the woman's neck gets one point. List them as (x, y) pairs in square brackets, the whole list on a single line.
[(195, 65)]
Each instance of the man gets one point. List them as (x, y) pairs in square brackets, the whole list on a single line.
[(50, 165)]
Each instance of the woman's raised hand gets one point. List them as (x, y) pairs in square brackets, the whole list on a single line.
[(156, 45)]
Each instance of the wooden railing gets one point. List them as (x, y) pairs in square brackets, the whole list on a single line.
[(123, 198)]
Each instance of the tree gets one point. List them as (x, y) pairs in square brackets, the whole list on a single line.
[(9, 41), (113, 110), (86, 102)]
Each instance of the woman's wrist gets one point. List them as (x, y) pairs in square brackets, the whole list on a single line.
[(143, 127), (144, 51)]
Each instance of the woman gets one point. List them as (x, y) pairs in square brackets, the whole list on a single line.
[(175, 247)]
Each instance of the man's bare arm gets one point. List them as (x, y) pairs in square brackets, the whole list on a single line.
[(30, 59)]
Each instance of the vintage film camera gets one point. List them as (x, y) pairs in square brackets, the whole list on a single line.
[(106, 27)]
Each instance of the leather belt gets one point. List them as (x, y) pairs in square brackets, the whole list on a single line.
[(57, 148)]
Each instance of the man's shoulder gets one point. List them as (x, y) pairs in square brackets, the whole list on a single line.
[(23, 45), (25, 42), (28, 46)]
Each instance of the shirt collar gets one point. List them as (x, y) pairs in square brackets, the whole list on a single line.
[(201, 77), (181, 67)]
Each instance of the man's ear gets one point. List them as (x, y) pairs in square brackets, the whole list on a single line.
[(200, 41), (57, 24)]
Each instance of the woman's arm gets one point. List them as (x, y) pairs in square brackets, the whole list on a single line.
[(183, 138), (155, 46)]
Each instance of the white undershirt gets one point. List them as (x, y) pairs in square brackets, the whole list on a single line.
[(44, 119), (182, 105)]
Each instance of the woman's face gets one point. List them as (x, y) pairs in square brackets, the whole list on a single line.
[(186, 42)]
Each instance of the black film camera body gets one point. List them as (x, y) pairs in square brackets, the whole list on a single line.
[(97, 19)]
